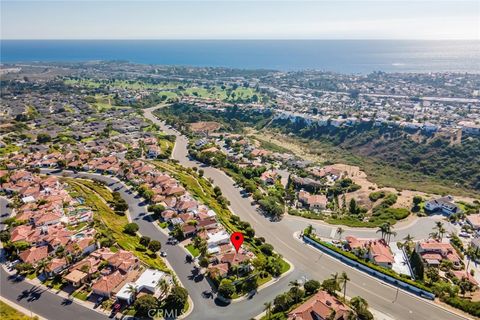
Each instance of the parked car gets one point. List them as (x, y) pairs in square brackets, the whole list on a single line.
[(163, 254)]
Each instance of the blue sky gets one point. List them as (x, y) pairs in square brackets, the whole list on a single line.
[(230, 19)]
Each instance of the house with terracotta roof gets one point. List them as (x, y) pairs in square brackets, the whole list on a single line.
[(321, 306), (34, 255), (433, 252), (106, 285), (124, 261), (56, 266), (462, 274), (376, 250), (315, 202), (269, 177)]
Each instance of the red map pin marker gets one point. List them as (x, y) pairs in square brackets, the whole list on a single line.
[(237, 239)]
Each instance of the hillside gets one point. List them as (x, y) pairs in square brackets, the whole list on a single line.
[(457, 165)]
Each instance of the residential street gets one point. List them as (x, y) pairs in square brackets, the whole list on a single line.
[(310, 262)]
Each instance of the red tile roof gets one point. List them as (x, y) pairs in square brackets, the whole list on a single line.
[(320, 306)]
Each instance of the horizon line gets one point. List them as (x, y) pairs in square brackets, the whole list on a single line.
[(240, 39)]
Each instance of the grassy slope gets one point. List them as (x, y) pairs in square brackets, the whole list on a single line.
[(107, 220), (378, 172), (9, 313)]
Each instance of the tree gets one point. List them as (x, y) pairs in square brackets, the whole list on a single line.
[(386, 231), (440, 229), (472, 254), (41, 266), (144, 240), (331, 284), (203, 262), (309, 230), (311, 286), (417, 265), (156, 209), (4, 236), (267, 249), (177, 232), (282, 302), (417, 200), (226, 288), (353, 207), (177, 298), (163, 286), (343, 279), (408, 242), (145, 303), (268, 309), (465, 286), (133, 290), (432, 274), (297, 293), (23, 268), (155, 245), (340, 231), (131, 228), (360, 306)]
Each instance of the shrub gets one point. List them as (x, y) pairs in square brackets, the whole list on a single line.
[(226, 288), (353, 257), (311, 286), (130, 228), (267, 249), (154, 245)]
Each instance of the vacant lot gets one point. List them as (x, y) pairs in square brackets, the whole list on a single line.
[(205, 126)]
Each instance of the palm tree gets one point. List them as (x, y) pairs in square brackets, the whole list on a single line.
[(384, 229), (296, 287), (440, 229), (408, 241), (133, 290), (343, 281), (41, 266), (163, 285), (309, 230), (434, 235), (340, 231), (359, 304), (268, 308), (390, 234), (471, 254), (334, 277)]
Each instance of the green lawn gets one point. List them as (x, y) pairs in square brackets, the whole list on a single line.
[(193, 251), (9, 313), (163, 225), (80, 294)]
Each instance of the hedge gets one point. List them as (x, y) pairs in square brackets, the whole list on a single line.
[(353, 257), (468, 306)]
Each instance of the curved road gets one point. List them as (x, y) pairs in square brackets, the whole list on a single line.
[(310, 262)]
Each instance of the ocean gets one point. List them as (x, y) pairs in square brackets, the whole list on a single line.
[(344, 56)]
